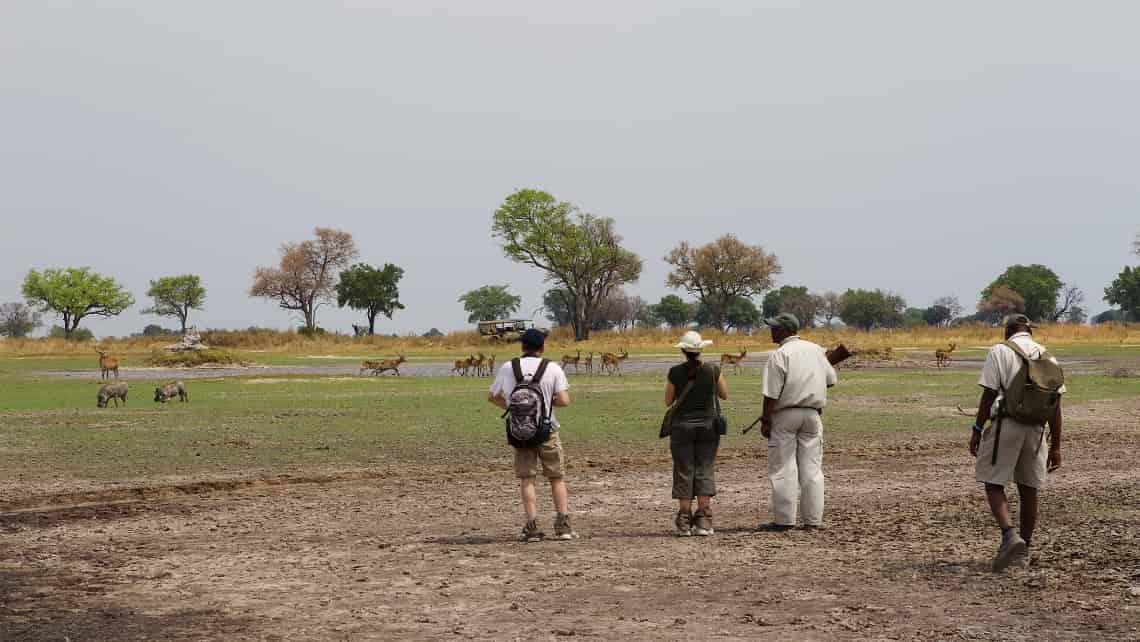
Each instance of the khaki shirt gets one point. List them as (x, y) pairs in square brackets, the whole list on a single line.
[(798, 375), (1002, 364)]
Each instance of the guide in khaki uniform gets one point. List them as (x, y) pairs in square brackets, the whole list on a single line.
[(796, 379), (1021, 392)]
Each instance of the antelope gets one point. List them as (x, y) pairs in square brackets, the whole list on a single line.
[(107, 365), (613, 361), (942, 357), (478, 365), (733, 360), (491, 366), (588, 362), (567, 360), (461, 367), (390, 364), (368, 365)]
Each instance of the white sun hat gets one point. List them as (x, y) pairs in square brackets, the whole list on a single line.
[(691, 341)]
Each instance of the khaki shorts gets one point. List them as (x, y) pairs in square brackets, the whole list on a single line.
[(550, 454), (1022, 455)]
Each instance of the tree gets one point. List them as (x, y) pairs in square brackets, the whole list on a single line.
[(673, 311), (75, 294), (794, 299), (176, 296), (1125, 292), (867, 309), (1037, 285), (559, 307), (950, 302), (77, 335), (580, 253), (720, 272), (155, 330), (913, 317), (938, 315), (363, 287), (1108, 316), (304, 279), (830, 305), (18, 320), (743, 315), (1071, 297), (489, 302), (1076, 315), (1001, 301), (618, 310)]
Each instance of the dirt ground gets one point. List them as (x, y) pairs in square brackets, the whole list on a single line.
[(429, 551)]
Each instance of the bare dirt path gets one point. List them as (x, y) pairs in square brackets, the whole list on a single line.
[(424, 553)]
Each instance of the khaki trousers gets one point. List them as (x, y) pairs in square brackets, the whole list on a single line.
[(795, 466)]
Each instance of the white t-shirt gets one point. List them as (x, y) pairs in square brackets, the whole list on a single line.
[(1002, 363), (553, 382), (798, 375)]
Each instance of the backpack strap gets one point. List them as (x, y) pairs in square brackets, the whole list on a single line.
[(516, 366), (541, 371)]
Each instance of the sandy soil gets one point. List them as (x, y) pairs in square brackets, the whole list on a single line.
[(424, 552)]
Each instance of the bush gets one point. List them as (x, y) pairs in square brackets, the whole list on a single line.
[(191, 358), (311, 333), (78, 334)]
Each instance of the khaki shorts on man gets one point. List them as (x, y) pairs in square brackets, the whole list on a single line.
[(549, 455)]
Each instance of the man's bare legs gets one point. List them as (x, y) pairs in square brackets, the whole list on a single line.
[(530, 500), (1028, 520), (999, 506)]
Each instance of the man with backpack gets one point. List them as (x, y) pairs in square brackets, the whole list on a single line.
[(528, 388), (1022, 386)]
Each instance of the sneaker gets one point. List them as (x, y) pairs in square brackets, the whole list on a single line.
[(562, 529), (773, 527), (1012, 548), (530, 532), (811, 527), (684, 523), (702, 523)]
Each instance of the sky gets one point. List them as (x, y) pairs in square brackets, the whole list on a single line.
[(916, 147)]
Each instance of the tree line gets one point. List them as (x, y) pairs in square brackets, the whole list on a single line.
[(582, 256)]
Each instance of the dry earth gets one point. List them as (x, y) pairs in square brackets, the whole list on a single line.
[(428, 551)]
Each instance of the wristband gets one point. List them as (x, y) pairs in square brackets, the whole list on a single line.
[(977, 428)]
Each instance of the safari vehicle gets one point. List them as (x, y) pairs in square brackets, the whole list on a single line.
[(504, 330)]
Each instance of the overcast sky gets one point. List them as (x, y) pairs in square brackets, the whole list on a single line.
[(913, 146)]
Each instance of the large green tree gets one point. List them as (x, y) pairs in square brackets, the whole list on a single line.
[(176, 296), (1037, 284), (75, 294), (489, 302), (794, 299), (720, 272), (674, 311), (376, 292), (1125, 292), (743, 315), (867, 309), (580, 253)]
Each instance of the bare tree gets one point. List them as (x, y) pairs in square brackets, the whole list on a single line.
[(305, 278), (830, 305), (950, 302), (1071, 296), (721, 272), (1002, 301)]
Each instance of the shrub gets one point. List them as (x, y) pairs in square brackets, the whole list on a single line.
[(78, 334), (191, 358)]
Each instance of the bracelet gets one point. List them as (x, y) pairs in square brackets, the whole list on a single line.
[(977, 428)]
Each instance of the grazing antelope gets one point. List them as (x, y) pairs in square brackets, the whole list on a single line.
[(389, 364), (612, 362), (733, 360), (567, 360), (107, 365), (942, 357), (588, 363), (368, 365)]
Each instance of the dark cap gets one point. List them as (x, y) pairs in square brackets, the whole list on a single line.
[(533, 338), (784, 321), (1012, 320)]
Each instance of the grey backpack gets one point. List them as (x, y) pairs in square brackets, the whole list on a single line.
[(528, 424)]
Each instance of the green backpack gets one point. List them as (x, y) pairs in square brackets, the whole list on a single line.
[(1035, 393)]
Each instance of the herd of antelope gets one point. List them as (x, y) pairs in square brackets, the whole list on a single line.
[(472, 366)]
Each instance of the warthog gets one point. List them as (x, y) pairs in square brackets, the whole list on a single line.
[(109, 391), (165, 393)]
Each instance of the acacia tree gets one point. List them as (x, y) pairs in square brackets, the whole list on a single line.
[(363, 287), (579, 252), (489, 302), (1002, 300), (1037, 285), (303, 281), (720, 272), (75, 294), (176, 296), (18, 320)]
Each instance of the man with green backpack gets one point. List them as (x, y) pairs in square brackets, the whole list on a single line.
[(1022, 386)]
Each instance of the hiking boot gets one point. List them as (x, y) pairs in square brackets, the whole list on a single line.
[(702, 523), (1012, 549), (684, 523), (562, 528), (773, 527), (531, 533)]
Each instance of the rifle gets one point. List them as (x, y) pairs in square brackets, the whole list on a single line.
[(835, 356)]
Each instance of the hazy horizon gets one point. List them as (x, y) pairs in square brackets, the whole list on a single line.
[(916, 148)]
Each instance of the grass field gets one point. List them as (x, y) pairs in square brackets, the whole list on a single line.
[(319, 506)]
